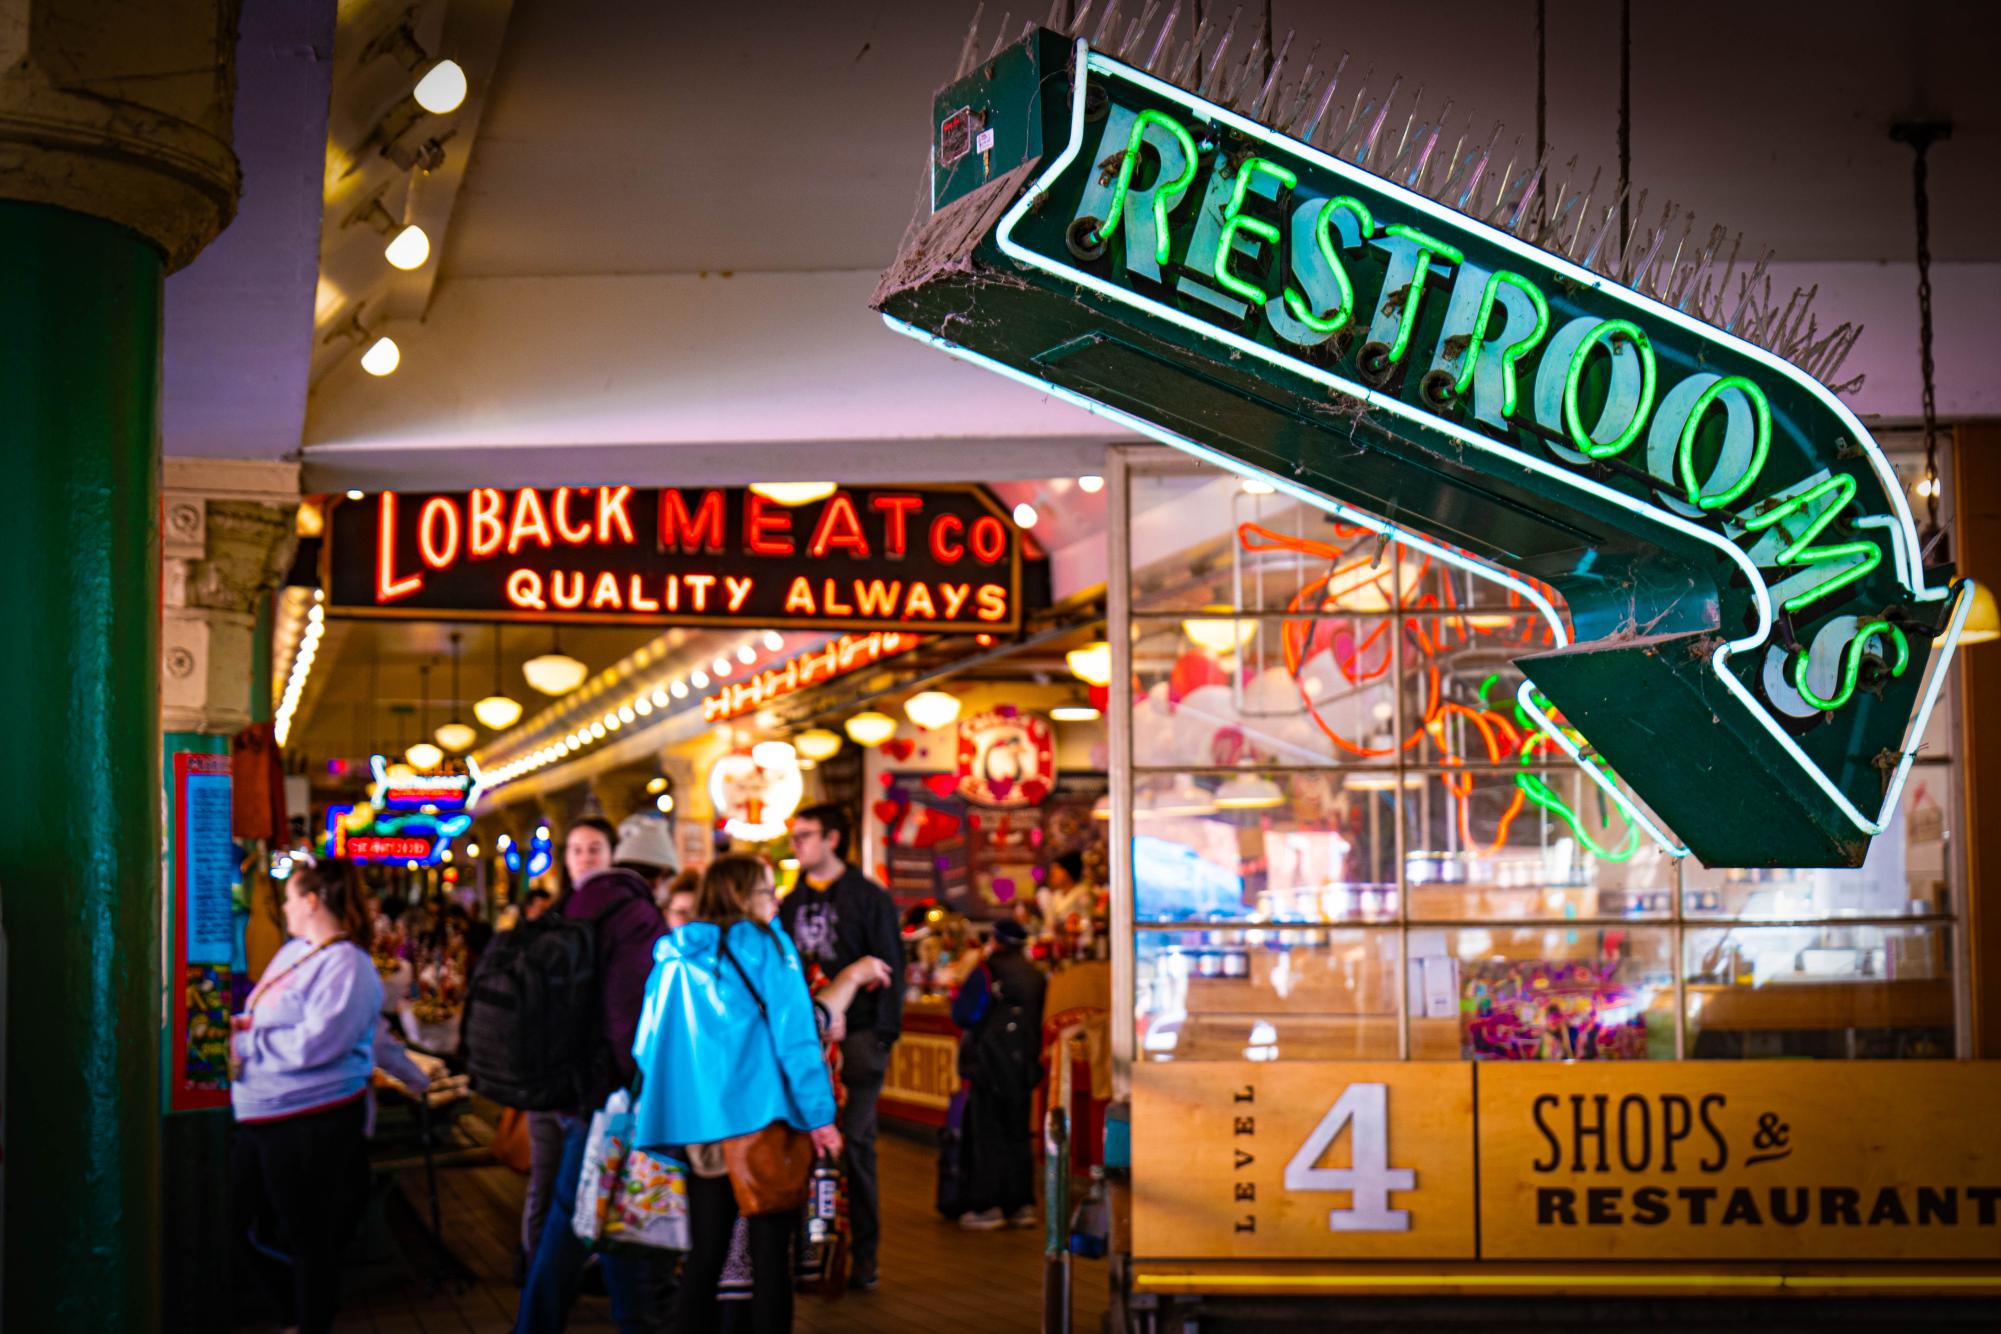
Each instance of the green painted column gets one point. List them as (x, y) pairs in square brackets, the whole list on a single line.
[(80, 830)]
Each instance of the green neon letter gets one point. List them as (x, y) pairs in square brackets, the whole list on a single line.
[(1851, 669), (1510, 352), (1319, 244), (1236, 220), (1410, 262), (1617, 397), (1116, 199), (1815, 502), (1761, 443)]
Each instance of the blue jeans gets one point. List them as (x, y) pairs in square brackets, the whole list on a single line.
[(558, 1263)]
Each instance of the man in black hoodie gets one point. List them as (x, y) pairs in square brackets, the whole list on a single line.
[(836, 915)]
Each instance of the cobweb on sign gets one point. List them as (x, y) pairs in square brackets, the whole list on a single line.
[(1709, 276)]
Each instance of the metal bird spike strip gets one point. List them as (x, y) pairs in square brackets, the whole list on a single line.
[(1457, 167)]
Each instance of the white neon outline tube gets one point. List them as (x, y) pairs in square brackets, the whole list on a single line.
[(1903, 530)]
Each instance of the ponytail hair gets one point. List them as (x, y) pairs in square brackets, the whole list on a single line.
[(338, 884)]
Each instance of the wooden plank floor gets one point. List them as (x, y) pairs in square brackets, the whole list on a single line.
[(935, 1275)]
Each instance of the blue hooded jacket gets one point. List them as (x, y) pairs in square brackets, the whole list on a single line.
[(712, 1066)]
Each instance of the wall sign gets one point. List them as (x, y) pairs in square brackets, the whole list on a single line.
[(754, 792), (204, 874), (439, 791), (1739, 564), (943, 559), (803, 671), (1007, 758), (1620, 1160)]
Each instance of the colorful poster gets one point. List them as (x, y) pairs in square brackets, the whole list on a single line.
[(1543, 1010), (204, 874)]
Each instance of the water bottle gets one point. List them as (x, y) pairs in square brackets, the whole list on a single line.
[(822, 1199)]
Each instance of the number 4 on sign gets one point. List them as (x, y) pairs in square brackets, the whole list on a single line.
[(1370, 1179)]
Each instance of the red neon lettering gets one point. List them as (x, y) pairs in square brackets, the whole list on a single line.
[(611, 513), (573, 598), (435, 555), (955, 598), (488, 532), (639, 601), (877, 598), (574, 536), (673, 592), (606, 593), (992, 602), (701, 584), (832, 606), (529, 521), (737, 587), (943, 550), (839, 526), (766, 531), (920, 603), (799, 598), (895, 509), (388, 587), (680, 532), (989, 539)]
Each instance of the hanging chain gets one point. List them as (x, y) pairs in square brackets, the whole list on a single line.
[(1921, 135)]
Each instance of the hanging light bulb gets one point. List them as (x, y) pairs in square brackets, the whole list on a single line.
[(1091, 664), (1219, 636), (382, 357), (454, 735), (870, 728), (1248, 792), (932, 709), (794, 493), (1257, 487), (1090, 484), (408, 249), (442, 89), (665, 801), (818, 743), (656, 785), (745, 654), (424, 755), (1025, 515), (1983, 621), (773, 640), (555, 672), (1074, 713)]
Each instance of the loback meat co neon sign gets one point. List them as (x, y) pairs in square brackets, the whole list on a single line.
[(940, 559), (1750, 635)]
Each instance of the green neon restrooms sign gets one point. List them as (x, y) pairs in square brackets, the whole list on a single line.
[(1752, 641)]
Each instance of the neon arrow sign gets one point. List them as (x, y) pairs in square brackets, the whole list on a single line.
[(1752, 640)]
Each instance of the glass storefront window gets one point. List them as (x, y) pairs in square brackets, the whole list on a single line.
[(1267, 994), (1331, 771), (1829, 990)]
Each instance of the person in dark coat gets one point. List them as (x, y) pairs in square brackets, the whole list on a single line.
[(621, 902), (999, 1009), (836, 915)]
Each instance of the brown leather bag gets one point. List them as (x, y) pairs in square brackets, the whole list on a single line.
[(770, 1169)]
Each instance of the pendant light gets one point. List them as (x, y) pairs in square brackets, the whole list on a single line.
[(555, 672), (1091, 664), (497, 710), (870, 728), (932, 709), (423, 754), (455, 736), (818, 743), (793, 493)]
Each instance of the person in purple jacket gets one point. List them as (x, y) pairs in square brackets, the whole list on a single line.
[(620, 901), (301, 1054)]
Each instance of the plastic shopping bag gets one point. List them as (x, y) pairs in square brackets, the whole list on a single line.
[(628, 1197)]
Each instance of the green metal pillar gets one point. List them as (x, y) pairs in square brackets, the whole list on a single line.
[(79, 794)]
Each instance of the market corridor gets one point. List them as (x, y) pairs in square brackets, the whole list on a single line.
[(934, 1275)]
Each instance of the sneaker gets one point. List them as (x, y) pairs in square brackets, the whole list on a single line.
[(865, 1280), (1024, 1217), (986, 1220)]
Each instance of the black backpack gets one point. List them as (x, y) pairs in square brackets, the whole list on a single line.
[(1003, 1053), (533, 1038)]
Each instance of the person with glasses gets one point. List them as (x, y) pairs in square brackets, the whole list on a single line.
[(835, 916)]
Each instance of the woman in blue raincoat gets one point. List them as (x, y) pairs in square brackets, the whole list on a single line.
[(715, 1067)]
